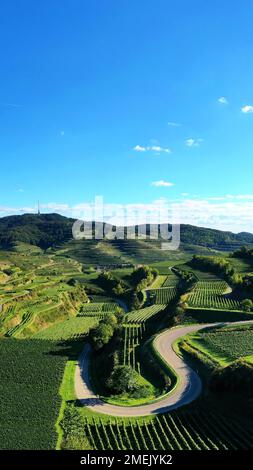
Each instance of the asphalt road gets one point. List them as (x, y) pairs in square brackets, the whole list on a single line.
[(187, 390)]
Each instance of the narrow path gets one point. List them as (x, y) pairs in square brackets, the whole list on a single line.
[(188, 388)]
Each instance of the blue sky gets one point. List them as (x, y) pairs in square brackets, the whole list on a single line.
[(121, 98)]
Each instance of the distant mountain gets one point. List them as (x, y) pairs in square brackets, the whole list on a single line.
[(213, 238), (47, 230)]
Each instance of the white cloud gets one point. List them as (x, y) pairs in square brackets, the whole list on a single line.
[(235, 216), (193, 142), (223, 100), (247, 109), (152, 148), (139, 148), (157, 148), (55, 207), (173, 124), (184, 194), (162, 183)]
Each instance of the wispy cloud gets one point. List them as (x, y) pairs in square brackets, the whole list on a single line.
[(162, 184), (173, 124), (230, 212), (158, 148), (10, 105), (223, 100), (152, 148), (55, 207), (193, 142), (235, 216), (247, 109)]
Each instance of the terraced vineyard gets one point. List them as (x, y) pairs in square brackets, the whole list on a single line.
[(144, 314), (198, 430), (215, 287), (229, 342), (204, 299), (170, 281), (164, 295), (210, 294), (47, 301), (28, 317), (70, 329), (159, 281), (97, 309), (132, 337)]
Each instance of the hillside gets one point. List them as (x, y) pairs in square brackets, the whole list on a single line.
[(48, 230), (40, 230)]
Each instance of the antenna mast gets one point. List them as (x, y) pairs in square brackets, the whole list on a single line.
[(38, 207)]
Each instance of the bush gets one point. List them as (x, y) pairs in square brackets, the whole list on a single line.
[(144, 274), (247, 305), (141, 392), (110, 283)]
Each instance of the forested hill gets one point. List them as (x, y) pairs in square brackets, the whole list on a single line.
[(42, 230), (46, 230)]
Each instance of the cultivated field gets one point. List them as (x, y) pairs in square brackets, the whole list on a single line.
[(164, 295), (228, 343), (30, 377), (49, 302), (144, 314), (180, 430), (69, 329), (211, 294), (132, 339)]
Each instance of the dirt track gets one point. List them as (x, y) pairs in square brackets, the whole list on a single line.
[(187, 389)]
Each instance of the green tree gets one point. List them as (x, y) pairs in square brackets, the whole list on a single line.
[(101, 335), (118, 289), (110, 319), (123, 379)]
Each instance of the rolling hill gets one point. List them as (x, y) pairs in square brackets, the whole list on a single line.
[(47, 230)]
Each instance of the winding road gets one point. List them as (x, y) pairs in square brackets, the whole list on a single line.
[(187, 389)]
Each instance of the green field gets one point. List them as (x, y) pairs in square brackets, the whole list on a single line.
[(197, 429), (226, 344), (97, 307), (69, 329), (144, 314), (171, 281), (212, 294), (164, 295), (30, 376)]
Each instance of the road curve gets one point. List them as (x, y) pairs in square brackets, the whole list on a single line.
[(188, 387)]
